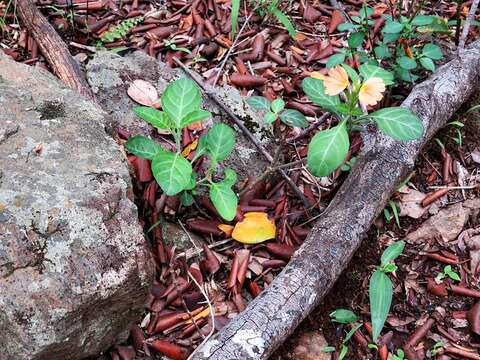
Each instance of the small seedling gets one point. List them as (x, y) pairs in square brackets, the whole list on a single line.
[(400, 355), (447, 272), (388, 215), (436, 348), (181, 102), (173, 46), (343, 316), (276, 109), (381, 288), (263, 8), (119, 31)]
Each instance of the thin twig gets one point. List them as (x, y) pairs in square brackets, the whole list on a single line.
[(455, 187), (227, 56), (212, 314), (466, 26), (310, 128), (242, 127)]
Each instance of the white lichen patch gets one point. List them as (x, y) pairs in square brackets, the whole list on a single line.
[(208, 348), (250, 341)]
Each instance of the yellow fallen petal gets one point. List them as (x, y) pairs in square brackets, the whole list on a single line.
[(317, 75), (189, 148), (255, 228), (227, 229)]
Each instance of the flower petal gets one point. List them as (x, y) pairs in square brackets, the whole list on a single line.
[(371, 91)]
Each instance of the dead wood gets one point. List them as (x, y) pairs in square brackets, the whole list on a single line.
[(52, 47), (274, 314)]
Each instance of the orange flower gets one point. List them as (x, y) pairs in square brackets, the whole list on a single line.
[(371, 91), (336, 81)]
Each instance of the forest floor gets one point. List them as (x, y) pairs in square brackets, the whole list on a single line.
[(273, 65)]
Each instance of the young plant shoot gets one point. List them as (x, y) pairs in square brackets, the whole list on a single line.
[(181, 102)]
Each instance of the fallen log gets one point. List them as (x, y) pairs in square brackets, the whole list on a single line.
[(52, 47), (272, 316)]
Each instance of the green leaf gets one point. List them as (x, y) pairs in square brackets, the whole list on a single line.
[(398, 122), (327, 349), (235, 12), (346, 26), (285, 22), (186, 198), (142, 146), (258, 102), (179, 99), (366, 11), (380, 293), (421, 20), (406, 63), (405, 75), (368, 71), (193, 181), (351, 332), (335, 60), (194, 116), (438, 25), (389, 38), (427, 63), (382, 51), (351, 73), (316, 93), (356, 39), (327, 150), (229, 177), (343, 352), (270, 117), (201, 147), (392, 27), (432, 51), (153, 116), (343, 316), (172, 172), (392, 252), (220, 141), (224, 200), (278, 105), (293, 117)]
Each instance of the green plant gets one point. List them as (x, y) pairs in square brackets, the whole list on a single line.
[(436, 348), (447, 272), (360, 27), (276, 109), (121, 30), (389, 216), (400, 355), (328, 148), (173, 46), (343, 316), (264, 8), (181, 102), (381, 288), (397, 47)]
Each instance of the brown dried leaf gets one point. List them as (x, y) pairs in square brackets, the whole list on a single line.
[(143, 92)]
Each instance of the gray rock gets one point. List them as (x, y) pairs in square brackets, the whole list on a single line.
[(110, 75), (74, 266), (174, 236)]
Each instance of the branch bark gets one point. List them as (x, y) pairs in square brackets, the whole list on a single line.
[(274, 314), (52, 47)]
